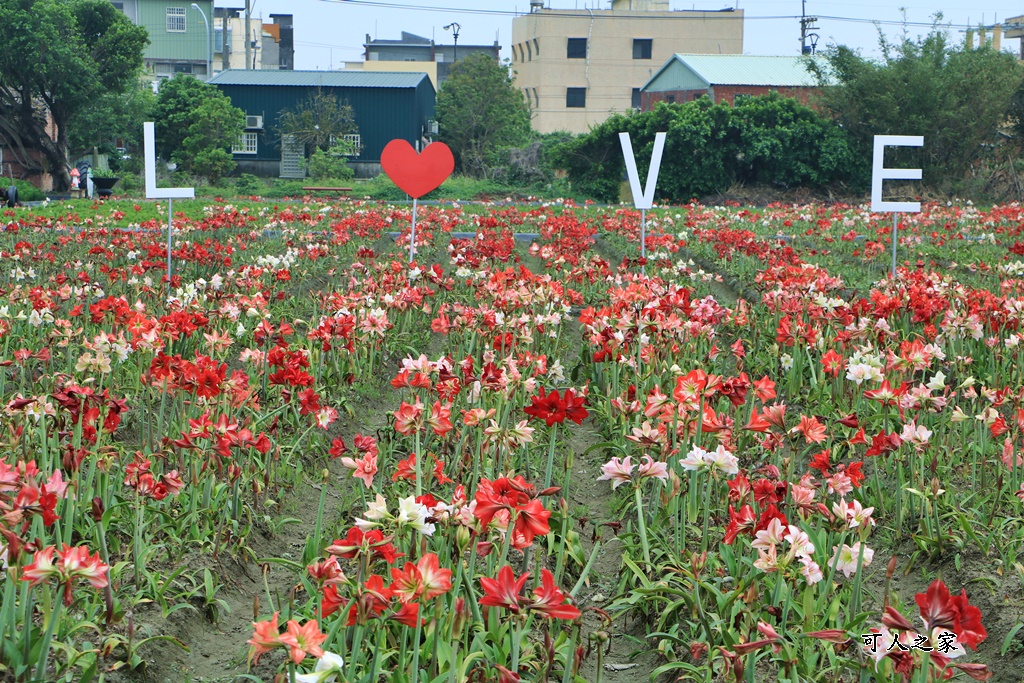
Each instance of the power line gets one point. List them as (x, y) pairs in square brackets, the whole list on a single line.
[(708, 15)]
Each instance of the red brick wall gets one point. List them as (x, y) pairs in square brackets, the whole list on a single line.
[(648, 100), (42, 180), (724, 93)]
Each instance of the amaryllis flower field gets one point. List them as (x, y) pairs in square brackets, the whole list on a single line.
[(528, 455)]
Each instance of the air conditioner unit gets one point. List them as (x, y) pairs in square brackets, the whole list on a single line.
[(432, 128), (254, 122)]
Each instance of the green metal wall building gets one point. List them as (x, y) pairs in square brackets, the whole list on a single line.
[(386, 106), (178, 36)]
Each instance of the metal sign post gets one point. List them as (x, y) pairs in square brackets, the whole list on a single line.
[(643, 200), (412, 234), (168, 193), (880, 173)]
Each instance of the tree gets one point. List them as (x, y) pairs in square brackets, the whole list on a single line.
[(178, 98), (956, 97), (318, 122), (58, 58), (216, 125), (196, 124), (112, 116), (480, 112)]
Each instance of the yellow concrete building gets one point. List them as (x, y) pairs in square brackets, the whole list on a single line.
[(577, 67)]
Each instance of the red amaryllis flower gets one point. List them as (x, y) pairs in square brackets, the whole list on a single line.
[(331, 601), (832, 363), (439, 420), (549, 599), (424, 579), (409, 418), (501, 494), (885, 394), (811, 428), (757, 423), (740, 521), (531, 521), (764, 389), (408, 614), (503, 591), (356, 542), (939, 609), (882, 444), (553, 408)]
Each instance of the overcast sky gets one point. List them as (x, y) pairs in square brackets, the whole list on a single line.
[(331, 32)]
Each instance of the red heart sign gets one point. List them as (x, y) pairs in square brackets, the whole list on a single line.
[(417, 174)]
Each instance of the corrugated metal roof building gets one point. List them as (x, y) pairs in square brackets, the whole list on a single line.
[(386, 106), (723, 78)]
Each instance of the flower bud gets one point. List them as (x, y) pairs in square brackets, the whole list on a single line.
[(462, 539), (97, 509), (461, 615)]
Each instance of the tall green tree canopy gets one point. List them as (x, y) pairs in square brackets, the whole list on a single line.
[(480, 112), (60, 56), (955, 96), (196, 124)]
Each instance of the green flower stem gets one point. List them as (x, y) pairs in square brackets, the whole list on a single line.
[(551, 455), (643, 526)]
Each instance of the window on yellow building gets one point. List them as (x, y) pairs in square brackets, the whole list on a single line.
[(576, 98), (576, 48)]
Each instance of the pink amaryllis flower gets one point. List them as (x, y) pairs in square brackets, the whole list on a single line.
[(303, 640), (362, 468), (71, 563), (617, 471), (650, 468)]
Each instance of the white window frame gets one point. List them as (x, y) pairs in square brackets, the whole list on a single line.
[(176, 18), (355, 138), (357, 143), (247, 143)]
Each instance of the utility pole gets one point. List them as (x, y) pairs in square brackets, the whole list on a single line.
[(248, 31), (806, 26)]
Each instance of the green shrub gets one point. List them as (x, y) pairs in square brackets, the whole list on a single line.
[(27, 192), (248, 185), (131, 184), (330, 164), (285, 188), (768, 139)]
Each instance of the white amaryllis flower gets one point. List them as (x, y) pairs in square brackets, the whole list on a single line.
[(413, 514), (723, 460), (327, 669), (847, 558), (938, 382), (696, 459), (375, 512)]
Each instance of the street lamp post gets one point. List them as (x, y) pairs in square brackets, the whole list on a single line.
[(454, 28), (209, 40)]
